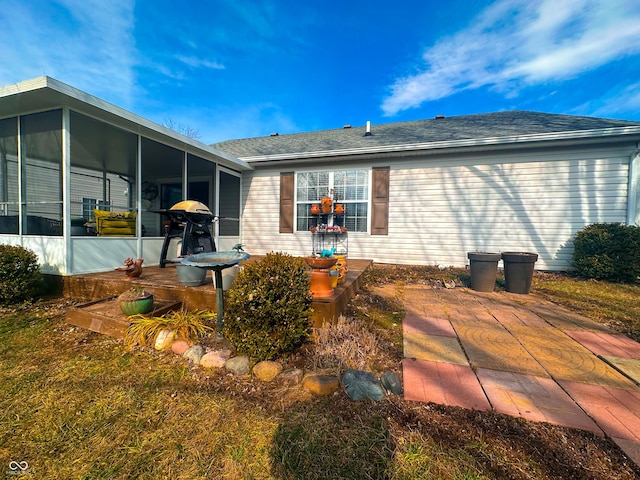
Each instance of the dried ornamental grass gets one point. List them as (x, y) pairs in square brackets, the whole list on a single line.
[(187, 325), (348, 343)]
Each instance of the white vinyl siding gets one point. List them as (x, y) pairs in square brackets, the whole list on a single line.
[(441, 207), (527, 202)]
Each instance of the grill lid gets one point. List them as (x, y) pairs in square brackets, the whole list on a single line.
[(191, 206)]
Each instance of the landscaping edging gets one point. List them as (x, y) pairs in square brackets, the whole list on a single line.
[(358, 384)]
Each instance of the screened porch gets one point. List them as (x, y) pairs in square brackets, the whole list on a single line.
[(81, 182)]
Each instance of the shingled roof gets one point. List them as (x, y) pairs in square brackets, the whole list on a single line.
[(515, 123)]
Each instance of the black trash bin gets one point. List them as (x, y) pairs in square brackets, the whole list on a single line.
[(518, 271), (484, 268)]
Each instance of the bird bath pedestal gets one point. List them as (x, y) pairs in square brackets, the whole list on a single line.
[(320, 280), (217, 261)]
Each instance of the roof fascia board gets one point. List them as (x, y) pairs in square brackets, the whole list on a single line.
[(518, 141), (128, 120)]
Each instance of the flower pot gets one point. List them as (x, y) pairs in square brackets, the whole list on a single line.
[(484, 269), (191, 276), (137, 307), (518, 271), (228, 276)]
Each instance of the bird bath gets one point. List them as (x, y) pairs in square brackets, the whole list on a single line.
[(320, 281), (217, 261)]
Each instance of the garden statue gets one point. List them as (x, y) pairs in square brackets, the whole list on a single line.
[(131, 269)]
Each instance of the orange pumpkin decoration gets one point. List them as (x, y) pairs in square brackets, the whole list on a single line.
[(315, 209), (326, 204), (339, 208)]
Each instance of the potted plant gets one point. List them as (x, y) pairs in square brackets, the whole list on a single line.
[(135, 301)]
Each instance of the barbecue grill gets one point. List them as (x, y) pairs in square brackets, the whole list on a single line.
[(191, 222)]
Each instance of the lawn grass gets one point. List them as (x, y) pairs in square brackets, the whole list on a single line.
[(616, 305), (76, 404)]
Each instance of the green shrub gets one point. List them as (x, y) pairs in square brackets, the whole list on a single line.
[(608, 251), (20, 277), (268, 308)]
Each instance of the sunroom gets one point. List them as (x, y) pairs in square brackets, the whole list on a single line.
[(68, 160)]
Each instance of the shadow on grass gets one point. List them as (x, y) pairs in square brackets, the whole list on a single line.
[(318, 443)]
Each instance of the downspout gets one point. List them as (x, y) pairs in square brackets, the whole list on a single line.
[(633, 191)]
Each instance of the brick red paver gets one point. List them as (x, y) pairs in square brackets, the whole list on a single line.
[(607, 344), (444, 383), (615, 410)]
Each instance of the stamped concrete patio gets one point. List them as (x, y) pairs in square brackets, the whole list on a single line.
[(522, 356)]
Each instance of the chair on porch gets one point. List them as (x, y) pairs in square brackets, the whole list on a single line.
[(115, 223)]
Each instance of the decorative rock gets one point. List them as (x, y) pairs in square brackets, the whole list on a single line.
[(267, 370), (292, 376), (180, 346), (164, 340), (360, 385), (319, 384), (392, 383), (215, 359), (238, 365), (194, 353)]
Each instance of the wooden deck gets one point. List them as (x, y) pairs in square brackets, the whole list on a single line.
[(99, 289)]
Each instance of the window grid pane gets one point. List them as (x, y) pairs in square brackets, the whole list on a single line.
[(350, 188)]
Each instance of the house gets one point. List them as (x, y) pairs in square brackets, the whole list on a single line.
[(69, 160), (423, 192), (427, 192)]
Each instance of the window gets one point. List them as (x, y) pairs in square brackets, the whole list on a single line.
[(347, 187)]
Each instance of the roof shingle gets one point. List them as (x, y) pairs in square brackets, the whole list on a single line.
[(488, 125)]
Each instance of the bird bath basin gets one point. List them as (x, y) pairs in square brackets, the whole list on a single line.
[(320, 262), (217, 261), (320, 281)]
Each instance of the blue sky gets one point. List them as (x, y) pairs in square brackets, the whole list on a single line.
[(243, 68)]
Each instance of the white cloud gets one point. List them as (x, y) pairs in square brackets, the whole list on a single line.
[(87, 43), (517, 43), (196, 62), (617, 103)]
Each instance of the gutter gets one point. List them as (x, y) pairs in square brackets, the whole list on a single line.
[(453, 144)]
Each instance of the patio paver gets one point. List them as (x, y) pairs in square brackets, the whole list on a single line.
[(444, 383), (532, 359), (614, 345), (436, 348), (534, 398)]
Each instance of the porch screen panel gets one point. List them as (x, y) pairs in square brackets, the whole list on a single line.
[(9, 175), (200, 180), (42, 173), (103, 168), (162, 183), (229, 205)]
